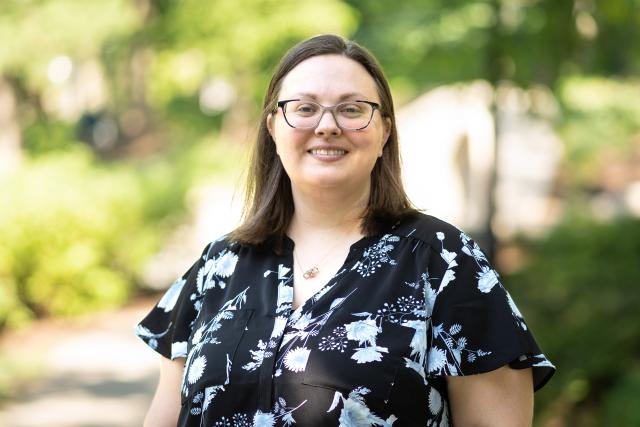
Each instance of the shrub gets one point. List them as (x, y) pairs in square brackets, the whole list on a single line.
[(74, 234), (579, 292)]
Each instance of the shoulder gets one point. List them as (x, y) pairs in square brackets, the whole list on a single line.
[(220, 246), (428, 229)]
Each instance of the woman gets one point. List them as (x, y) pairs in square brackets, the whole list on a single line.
[(336, 303)]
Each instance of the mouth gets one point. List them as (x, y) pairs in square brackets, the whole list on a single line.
[(330, 152)]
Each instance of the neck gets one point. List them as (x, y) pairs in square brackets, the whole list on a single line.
[(328, 212)]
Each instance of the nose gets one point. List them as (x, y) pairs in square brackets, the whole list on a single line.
[(327, 125)]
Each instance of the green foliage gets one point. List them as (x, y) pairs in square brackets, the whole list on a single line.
[(579, 294), (239, 40), (76, 233), (72, 237), (601, 116), (40, 30), (42, 136), (422, 43)]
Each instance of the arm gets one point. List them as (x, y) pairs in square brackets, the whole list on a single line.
[(503, 397), (165, 405)]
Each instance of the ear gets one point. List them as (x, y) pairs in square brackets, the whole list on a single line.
[(269, 123), (386, 124)]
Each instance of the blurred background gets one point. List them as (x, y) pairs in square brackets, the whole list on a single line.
[(124, 128)]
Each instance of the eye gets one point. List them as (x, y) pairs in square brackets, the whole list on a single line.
[(351, 109), (304, 108)]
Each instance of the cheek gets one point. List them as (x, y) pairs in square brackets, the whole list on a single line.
[(370, 140), (288, 141)]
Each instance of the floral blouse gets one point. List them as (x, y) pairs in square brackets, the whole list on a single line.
[(371, 348)]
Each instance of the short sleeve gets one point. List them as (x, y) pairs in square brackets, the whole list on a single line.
[(167, 327), (476, 326)]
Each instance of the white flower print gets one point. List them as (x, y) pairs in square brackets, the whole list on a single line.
[(257, 356), (302, 322), (419, 341), (440, 235), (435, 401), (376, 255), (196, 362), (516, 312), (169, 299), (196, 369), (321, 292), (354, 414), (487, 279), (204, 279), (363, 331), (449, 257), (304, 326), (278, 326), (436, 360), (178, 349), (429, 299), (150, 337), (283, 305), (416, 367), (197, 335), (449, 275), (216, 269), (296, 359), (226, 264), (448, 360), (209, 394), (285, 294), (369, 354), (263, 419), (282, 272)]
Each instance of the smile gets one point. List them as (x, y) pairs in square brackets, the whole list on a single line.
[(327, 152)]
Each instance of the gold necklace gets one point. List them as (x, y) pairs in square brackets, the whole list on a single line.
[(312, 272)]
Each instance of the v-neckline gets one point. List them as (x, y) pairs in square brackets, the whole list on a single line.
[(354, 249)]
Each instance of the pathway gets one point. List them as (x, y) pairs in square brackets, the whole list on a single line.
[(97, 373)]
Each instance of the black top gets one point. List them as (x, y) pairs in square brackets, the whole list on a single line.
[(370, 348)]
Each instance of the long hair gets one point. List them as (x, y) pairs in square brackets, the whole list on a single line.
[(268, 206)]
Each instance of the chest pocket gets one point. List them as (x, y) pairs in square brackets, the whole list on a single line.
[(343, 363), (213, 346)]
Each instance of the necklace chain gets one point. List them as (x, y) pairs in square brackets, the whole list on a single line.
[(313, 271)]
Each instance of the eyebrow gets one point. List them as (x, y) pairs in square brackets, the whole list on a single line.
[(341, 98)]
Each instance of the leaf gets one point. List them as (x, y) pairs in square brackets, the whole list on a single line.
[(455, 329), (336, 398), (363, 314), (288, 419), (336, 302)]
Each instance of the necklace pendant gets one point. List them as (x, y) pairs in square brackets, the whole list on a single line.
[(310, 273)]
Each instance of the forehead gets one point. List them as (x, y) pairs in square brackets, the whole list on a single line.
[(329, 76)]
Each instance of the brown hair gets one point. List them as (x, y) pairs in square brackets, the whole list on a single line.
[(268, 204)]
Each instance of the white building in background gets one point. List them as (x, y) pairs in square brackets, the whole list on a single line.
[(448, 147)]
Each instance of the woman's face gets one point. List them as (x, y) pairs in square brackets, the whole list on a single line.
[(326, 156)]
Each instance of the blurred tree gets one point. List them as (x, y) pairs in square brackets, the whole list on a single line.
[(158, 56), (423, 43), (236, 42), (580, 287)]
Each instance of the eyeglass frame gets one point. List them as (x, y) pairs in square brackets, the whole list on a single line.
[(281, 104)]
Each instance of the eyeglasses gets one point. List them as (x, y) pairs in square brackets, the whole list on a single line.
[(351, 115)]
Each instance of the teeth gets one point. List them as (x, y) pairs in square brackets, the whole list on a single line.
[(327, 152)]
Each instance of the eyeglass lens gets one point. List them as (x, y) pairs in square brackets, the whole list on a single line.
[(348, 115)]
